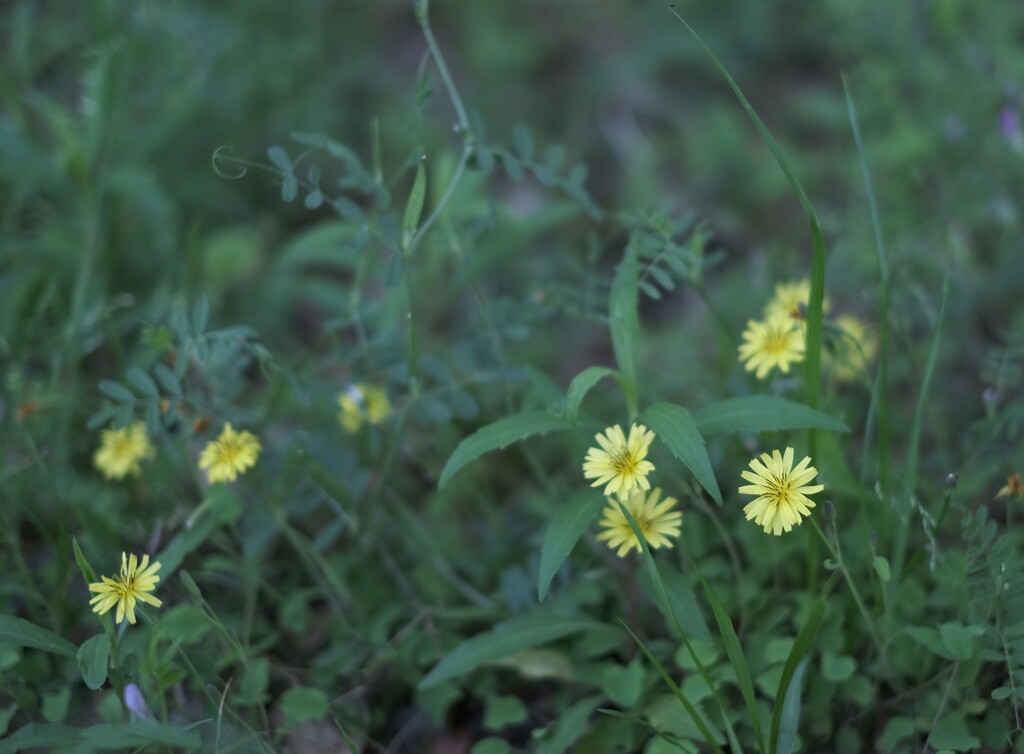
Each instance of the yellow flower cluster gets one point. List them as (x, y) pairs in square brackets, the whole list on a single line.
[(122, 451), (231, 454), (362, 402), (621, 464), (777, 340), (134, 584)]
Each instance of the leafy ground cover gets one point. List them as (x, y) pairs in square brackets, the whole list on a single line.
[(533, 377)]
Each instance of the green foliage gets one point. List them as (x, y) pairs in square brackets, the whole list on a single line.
[(425, 272)]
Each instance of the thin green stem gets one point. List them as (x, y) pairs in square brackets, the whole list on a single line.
[(837, 556)]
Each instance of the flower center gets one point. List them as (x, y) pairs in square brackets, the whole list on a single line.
[(777, 341), (623, 462)]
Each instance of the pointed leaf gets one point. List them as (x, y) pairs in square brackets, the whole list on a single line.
[(736, 657), (569, 727), (498, 435), (761, 413), (414, 207), (783, 724), (568, 523), (505, 639), (22, 633), (93, 658), (681, 606), (622, 312), (677, 429), (581, 385)]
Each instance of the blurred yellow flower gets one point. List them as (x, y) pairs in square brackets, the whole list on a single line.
[(135, 583), (229, 455), (654, 517), (855, 349), (121, 451), (790, 300), (1013, 487), (362, 401), (775, 342), (620, 462), (782, 491)]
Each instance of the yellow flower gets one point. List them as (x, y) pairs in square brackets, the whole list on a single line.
[(619, 462), (135, 583), (1013, 487), (775, 342), (656, 521), (790, 300), (363, 401), (229, 455), (121, 450), (855, 349), (782, 491)]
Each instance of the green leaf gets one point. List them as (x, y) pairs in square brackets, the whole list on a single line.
[(55, 704), (20, 632), (522, 140), (837, 668), (623, 684), (736, 657), (623, 318), (93, 658), (895, 731), (681, 606), (951, 733), (143, 382), (959, 639), (302, 703), (83, 564), (569, 727), (491, 745), (566, 527), (789, 719), (677, 429), (709, 737), (507, 638), (5, 717), (881, 566), (115, 390), (222, 507), (581, 385), (109, 736), (414, 207), (45, 736), (761, 413), (502, 711), (497, 435), (252, 689)]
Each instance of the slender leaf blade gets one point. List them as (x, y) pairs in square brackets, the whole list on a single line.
[(498, 435), (761, 413), (507, 638), (581, 385), (677, 429), (792, 671), (567, 525), (23, 633)]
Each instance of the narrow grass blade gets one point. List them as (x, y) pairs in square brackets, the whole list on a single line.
[(791, 673), (625, 321), (736, 657), (791, 712), (914, 445), (568, 523), (880, 394), (709, 737), (814, 306)]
